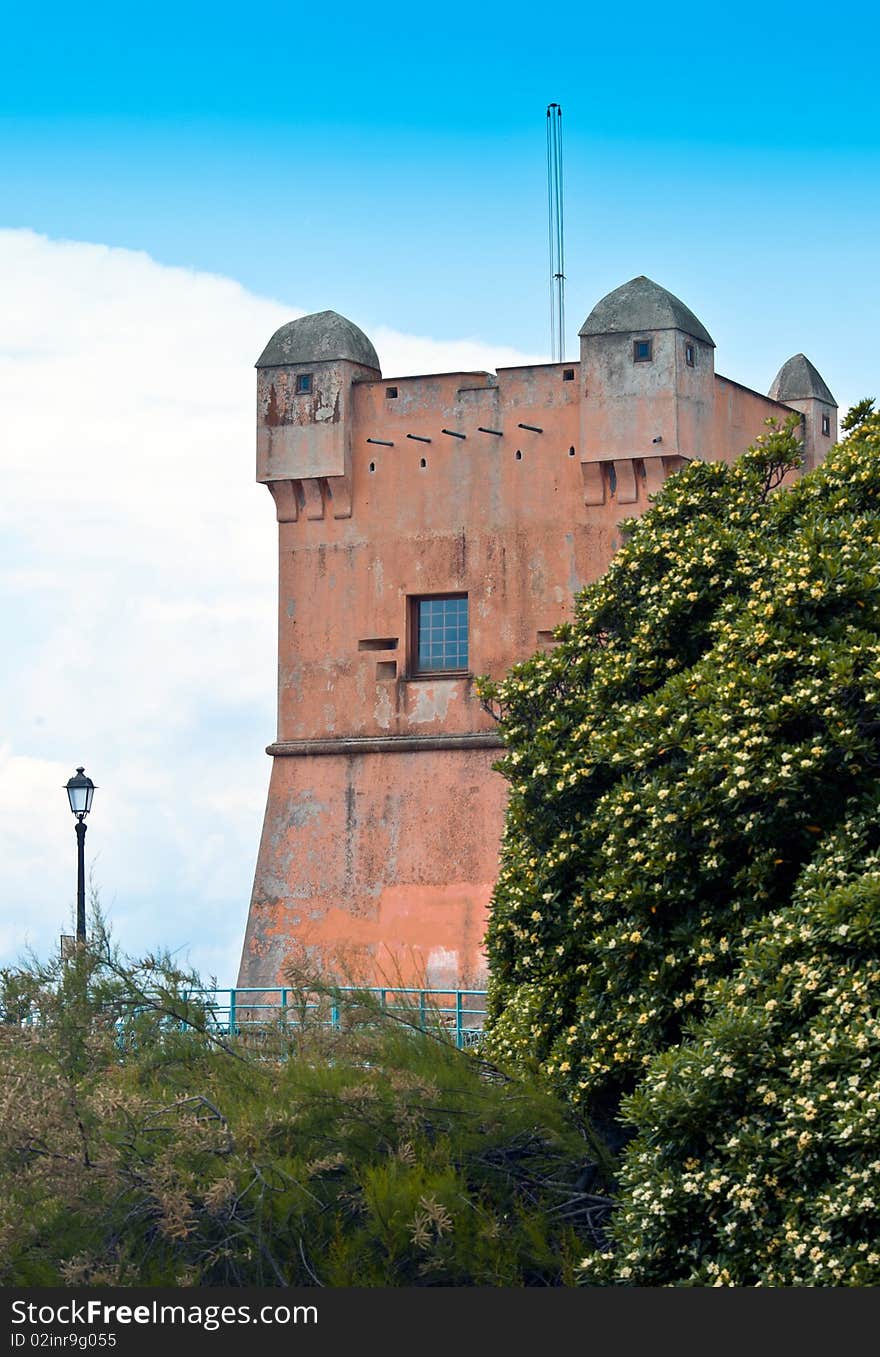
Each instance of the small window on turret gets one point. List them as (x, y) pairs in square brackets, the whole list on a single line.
[(391, 393), (643, 350), (568, 374), (303, 383), (826, 425), (689, 355)]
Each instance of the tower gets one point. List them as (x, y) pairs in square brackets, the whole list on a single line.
[(432, 529)]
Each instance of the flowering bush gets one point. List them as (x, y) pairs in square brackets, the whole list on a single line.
[(685, 929)]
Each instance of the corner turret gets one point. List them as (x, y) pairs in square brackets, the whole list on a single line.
[(304, 380), (648, 367), (800, 385)]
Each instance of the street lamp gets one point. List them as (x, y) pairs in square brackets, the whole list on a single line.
[(80, 790)]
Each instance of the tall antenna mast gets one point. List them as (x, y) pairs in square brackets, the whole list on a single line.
[(557, 255)]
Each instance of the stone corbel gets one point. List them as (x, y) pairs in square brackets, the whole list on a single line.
[(655, 475), (594, 483), (314, 500), (284, 495), (627, 489), (339, 496)]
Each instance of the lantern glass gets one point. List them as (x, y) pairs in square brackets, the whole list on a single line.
[(80, 790)]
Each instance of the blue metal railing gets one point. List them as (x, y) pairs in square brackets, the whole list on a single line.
[(459, 1014)]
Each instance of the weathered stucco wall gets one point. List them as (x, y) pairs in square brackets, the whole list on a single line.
[(739, 417), (383, 862)]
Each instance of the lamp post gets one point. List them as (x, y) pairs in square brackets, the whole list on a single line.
[(80, 790)]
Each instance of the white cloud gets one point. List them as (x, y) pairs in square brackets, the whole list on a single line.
[(137, 589)]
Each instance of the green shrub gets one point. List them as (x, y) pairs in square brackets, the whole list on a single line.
[(136, 1153)]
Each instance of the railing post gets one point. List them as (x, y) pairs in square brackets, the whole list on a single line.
[(232, 1012), (284, 1007), (423, 1011), (459, 1034)]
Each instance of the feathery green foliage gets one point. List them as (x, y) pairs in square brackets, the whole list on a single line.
[(138, 1147)]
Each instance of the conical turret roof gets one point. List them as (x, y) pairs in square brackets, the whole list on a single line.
[(798, 380), (641, 305), (318, 338)]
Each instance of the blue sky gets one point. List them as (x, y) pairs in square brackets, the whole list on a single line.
[(391, 164), (176, 181)]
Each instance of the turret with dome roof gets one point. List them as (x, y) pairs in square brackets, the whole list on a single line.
[(305, 380), (800, 385), (648, 366)]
